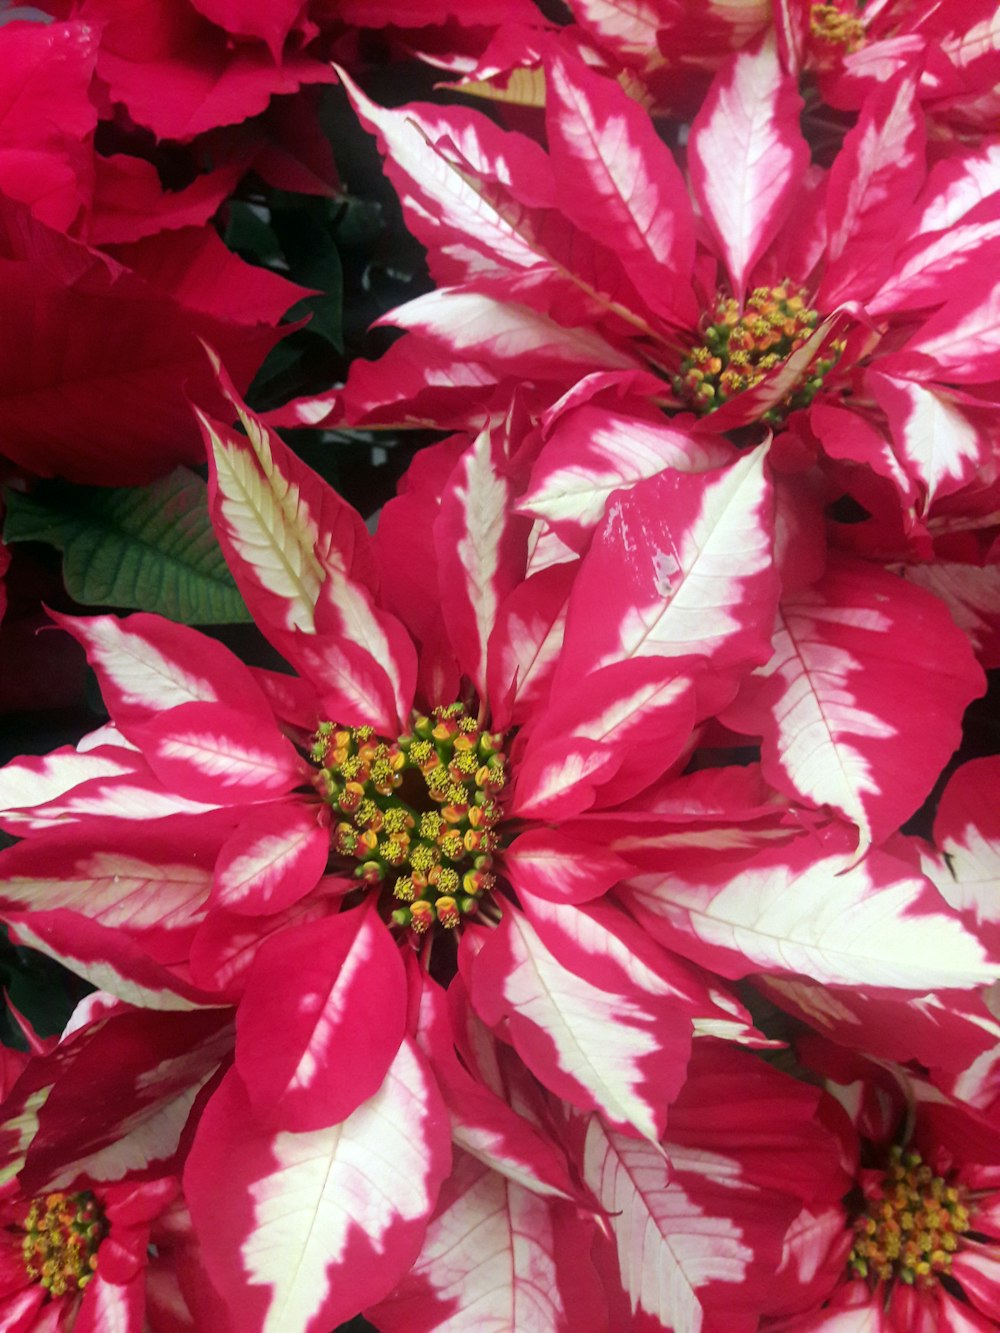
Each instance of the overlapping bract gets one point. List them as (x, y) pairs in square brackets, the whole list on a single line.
[(722, 621)]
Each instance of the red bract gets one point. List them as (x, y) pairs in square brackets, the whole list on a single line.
[(693, 1222), (180, 74), (87, 345), (111, 279), (918, 1245)]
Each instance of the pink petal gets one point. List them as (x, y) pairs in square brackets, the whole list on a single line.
[(488, 1262), (746, 155), (272, 860), (526, 642), (482, 1122), (935, 441), (972, 596), (481, 547), (641, 709), (505, 336), (873, 181), (312, 1227), (593, 451), (857, 657), (552, 865), (152, 1066), (681, 567), (37, 780), (207, 752), (147, 665), (795, 910), (108, 959), (311, 1053), (619, 182), (593, 1034), (961, 341), (129, 880), (967, 831)]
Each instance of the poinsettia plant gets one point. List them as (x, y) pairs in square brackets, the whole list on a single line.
[(477, 745), (568, 910)]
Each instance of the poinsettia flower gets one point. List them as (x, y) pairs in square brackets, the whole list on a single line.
[(919, 1242), (671, 48), (183, 69), (697, 1231), (90, 1203), (850, 47), (798, 285), (953, 1034), (338, 824)]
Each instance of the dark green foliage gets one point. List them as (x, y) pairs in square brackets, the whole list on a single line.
[(149, 547)]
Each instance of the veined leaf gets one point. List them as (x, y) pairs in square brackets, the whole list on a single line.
[(150, 547)]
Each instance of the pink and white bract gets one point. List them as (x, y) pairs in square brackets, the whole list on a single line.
[(922, 1234), (452, 957), (95, 1231), (481, 741)]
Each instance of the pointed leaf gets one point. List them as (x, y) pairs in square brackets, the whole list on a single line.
[(312, 1227), (482, 1122), (593, 451), (746, 156), (526, 641), (272, 860), (640, 709), (439, 197), (108, 959), (619, 182), (203, 751), (669, 1248), (961, 340), (876, 922), (311, 1053), (967, 831), (132, 881), (35, 780), (545, 862), (594, 1035), (481, 547), (488, 1263), (936, 442), (150, 547), (146, 665), (681, 567), (281, 526), (507, 337), (873, 181), (857, 658)]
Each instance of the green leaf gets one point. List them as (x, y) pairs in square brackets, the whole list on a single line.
[(150, 548), (249, 231)]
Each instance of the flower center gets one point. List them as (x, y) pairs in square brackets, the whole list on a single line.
[(419, 812), (911, 1229), (739, 349), (62, 1234), (833, 26)]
